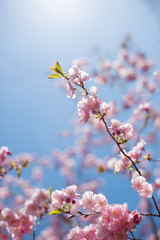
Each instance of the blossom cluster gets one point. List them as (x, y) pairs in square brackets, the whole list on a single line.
[(75, 76), (124, 163), (121, 131), (17, 223), (17, 162), (89, 106), (20, 221), (38, 202), (4, 151), (113, 221), (144, 188), (60, 199)]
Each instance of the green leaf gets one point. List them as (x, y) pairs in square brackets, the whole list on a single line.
[(44, 204), (50, 191), (13, 164), (57, 211), (25, 164), (58, 66), (58, 69), (54, 76), (19, 170)]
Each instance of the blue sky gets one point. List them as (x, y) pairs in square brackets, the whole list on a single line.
[(34, 34)]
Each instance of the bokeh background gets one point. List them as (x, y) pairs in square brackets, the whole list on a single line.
[(34, 34)]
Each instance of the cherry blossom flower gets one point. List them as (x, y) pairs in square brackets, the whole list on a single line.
[(142, 187)]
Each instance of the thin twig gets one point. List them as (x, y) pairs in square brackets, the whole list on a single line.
[(34, 231), (85, 215), (133, 236), (153, 224), (123, 152), (149, 214)]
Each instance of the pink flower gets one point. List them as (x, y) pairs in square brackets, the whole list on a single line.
[(100, 78), (60, 199), (70, 193), (157, 183), (101, 202), (90, 160), (156, 74), (86, 105), (73, 72), (137, 218), (127, 73), (105, 64), (78, 76), (145, 106), (70, 90), (127, 131), (157, 123), (83, 76), (121, 131), (17, 223), (38, 202), (57, 199), (37, 173), (102, 231), (9, 216), (129, 100), (89, 232), (31, 207), (135, 154), (49, 233), (88, 201), (86, 233), (152, 87), (104, 108), (4, 193), (121, 165), (115, 221), (83, 111), (94, 90), (138, 183), (115, 125), (141, 144), (4, 151), (25, 226), (142, 187), (146, 191), (75, 234), (80, 62)]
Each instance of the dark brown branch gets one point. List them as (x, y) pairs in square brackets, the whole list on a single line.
[(133, 236), (85, 215), (123, 152), (149, 214), (153, 224)]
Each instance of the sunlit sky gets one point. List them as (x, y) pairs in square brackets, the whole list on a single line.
[(34, 34)]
